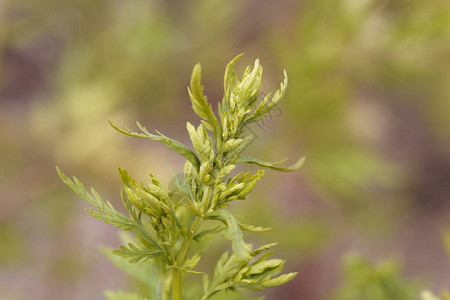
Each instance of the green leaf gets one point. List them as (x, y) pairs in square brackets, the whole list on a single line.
[(106, 212), (280, 280), (208, 233), (133, 190), (230, 82), (252, 160), (127, 180), (189, 264), (135, 253), (201, 141), (264, 248), (146, 273), (263, 266), (250, 183), (168, 142), (267, 104), (240, 248), (252, 228), (200, 103)]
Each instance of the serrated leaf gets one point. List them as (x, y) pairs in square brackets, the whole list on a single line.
[(136, 254), (168, 142), (105, 210), (146, 273)]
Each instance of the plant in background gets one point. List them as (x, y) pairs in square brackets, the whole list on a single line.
[(166, 223), (375, 281)]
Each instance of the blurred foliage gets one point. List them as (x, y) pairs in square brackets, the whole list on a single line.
[(426, 295), (380, 281), (367, 104)]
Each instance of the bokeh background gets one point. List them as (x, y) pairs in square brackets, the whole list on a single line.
[(368, 104)]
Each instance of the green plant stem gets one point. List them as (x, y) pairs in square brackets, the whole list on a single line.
[(176, 284), (176, 275), (187, 242)]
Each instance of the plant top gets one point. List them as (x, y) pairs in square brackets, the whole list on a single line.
[(167, 222)]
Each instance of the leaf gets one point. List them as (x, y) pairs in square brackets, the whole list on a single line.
[(136, 254), (201, 141), (189, 264), (144, 272), (230, 76), (140, 229), (168, 142), (267, 104), (280, 280), (230, 82), (208, 232), (252, 160), (263, 266), (127, 180), (240, 248), (106, 212), (261, 249), (252, 228), (200, 103), (250, 86), (250, 183), (133, 190)]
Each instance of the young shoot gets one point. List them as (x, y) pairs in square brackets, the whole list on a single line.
[(166, 223)]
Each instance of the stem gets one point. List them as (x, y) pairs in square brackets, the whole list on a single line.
[(176, 275), (176, 284), (185, 247)]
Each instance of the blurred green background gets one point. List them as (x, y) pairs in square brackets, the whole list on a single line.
[(368, 104)]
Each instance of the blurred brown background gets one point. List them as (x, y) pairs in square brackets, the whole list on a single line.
[(368, 104)]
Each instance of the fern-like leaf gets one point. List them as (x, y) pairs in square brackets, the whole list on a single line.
[(168, 142)]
